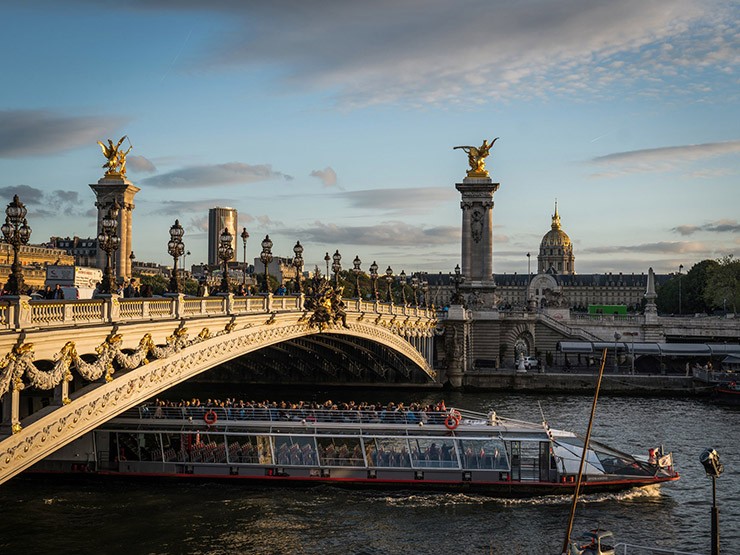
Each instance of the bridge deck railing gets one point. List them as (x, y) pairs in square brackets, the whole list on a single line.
[(23, 313)]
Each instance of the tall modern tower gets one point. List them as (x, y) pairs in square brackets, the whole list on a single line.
[(218, 219), (114, 186)]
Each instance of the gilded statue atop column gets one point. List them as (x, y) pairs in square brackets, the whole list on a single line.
[(116, 158), (477, 158)]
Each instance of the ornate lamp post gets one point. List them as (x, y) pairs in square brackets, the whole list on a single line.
[(175, 248), (356, 269), (680, 267), (245, 236), (225, 253), (389, 280), (327, 258), (425, 292), (402, 280), (374, 277), (108, 240), (457, 279), (266, 258), (415, 287), (298, 264), (336, 267), (131, 258), (16, 232)]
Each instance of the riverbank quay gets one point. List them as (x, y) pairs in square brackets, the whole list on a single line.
[(534, 381)]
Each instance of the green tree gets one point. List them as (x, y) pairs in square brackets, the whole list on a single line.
[(685, 293), (723, 284)]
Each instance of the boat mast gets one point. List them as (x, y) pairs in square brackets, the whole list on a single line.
[(583, 455)]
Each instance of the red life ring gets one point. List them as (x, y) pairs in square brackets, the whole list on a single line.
[(210, 418), (453, 420)]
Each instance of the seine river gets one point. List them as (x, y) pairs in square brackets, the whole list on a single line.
[(61, 515)]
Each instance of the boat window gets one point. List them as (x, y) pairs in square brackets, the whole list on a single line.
[(484, 453), (340, 451), (433, 453), (295, 450), (392, 452)]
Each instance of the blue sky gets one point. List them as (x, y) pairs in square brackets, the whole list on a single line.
[(334, 122)]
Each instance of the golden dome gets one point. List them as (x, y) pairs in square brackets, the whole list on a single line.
[(556, 237)]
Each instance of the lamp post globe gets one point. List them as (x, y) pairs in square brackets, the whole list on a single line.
[(374, 278), (356, 263), (109, 241), (327, 258), (176, 248), (389, 281), (336, 267), (298, 264), (16, 232), (415, 288), (266, 258), (402, 281), (225, 253), (245, 236)]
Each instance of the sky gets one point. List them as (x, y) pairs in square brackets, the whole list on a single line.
[(333, 122)]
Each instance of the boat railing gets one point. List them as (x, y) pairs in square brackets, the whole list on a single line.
[(212, 414), (631, 549)]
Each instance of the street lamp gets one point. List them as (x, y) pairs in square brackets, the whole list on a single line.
[(298, 264), (529, 274), (680, 267), (389, 280), (176, 249), (225, 253), (16, 233), (327, 258), (632, 334), (245, 236), (457, 279), (415, 287), (184, 266), (402, 281), (266, 258), (131, 258), (336, 267), (425, 292), (617, 336), (713, 467), (108, 240), (374, 278), (356, 269)]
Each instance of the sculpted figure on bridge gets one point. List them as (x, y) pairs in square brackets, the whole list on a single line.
[(477, 158), (116, 158), (325, 302)]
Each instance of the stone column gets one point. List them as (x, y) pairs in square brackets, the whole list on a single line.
[(117, 188)]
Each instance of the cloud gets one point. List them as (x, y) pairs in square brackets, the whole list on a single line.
[(43, 204), (662, 247), (179, 207), (219, 174), (664, 158), (398, 234), (140, 164), (27, 133), (721, 226), (484, 50), (327, 176), (407, 200)]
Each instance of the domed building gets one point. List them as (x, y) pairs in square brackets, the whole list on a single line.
[(556, 250)]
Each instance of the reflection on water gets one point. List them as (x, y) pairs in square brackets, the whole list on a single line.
[(61, 515)]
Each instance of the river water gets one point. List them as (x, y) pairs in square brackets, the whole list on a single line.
[(64, 515)]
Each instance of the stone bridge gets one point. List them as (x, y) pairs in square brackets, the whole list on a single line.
[(69, 366)]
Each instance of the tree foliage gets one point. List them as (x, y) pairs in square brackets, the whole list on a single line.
[(723, 284)]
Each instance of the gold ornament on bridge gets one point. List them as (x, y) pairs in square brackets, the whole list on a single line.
[(477, 158), (326, 303), (116, 158)]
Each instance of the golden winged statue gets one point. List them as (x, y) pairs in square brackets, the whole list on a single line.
[(116, 158), (477, 158)]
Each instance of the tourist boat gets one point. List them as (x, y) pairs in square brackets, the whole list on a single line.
[(453, 450), (727, 393)]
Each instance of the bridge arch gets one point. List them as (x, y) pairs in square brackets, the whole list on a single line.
[(180, 359)]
